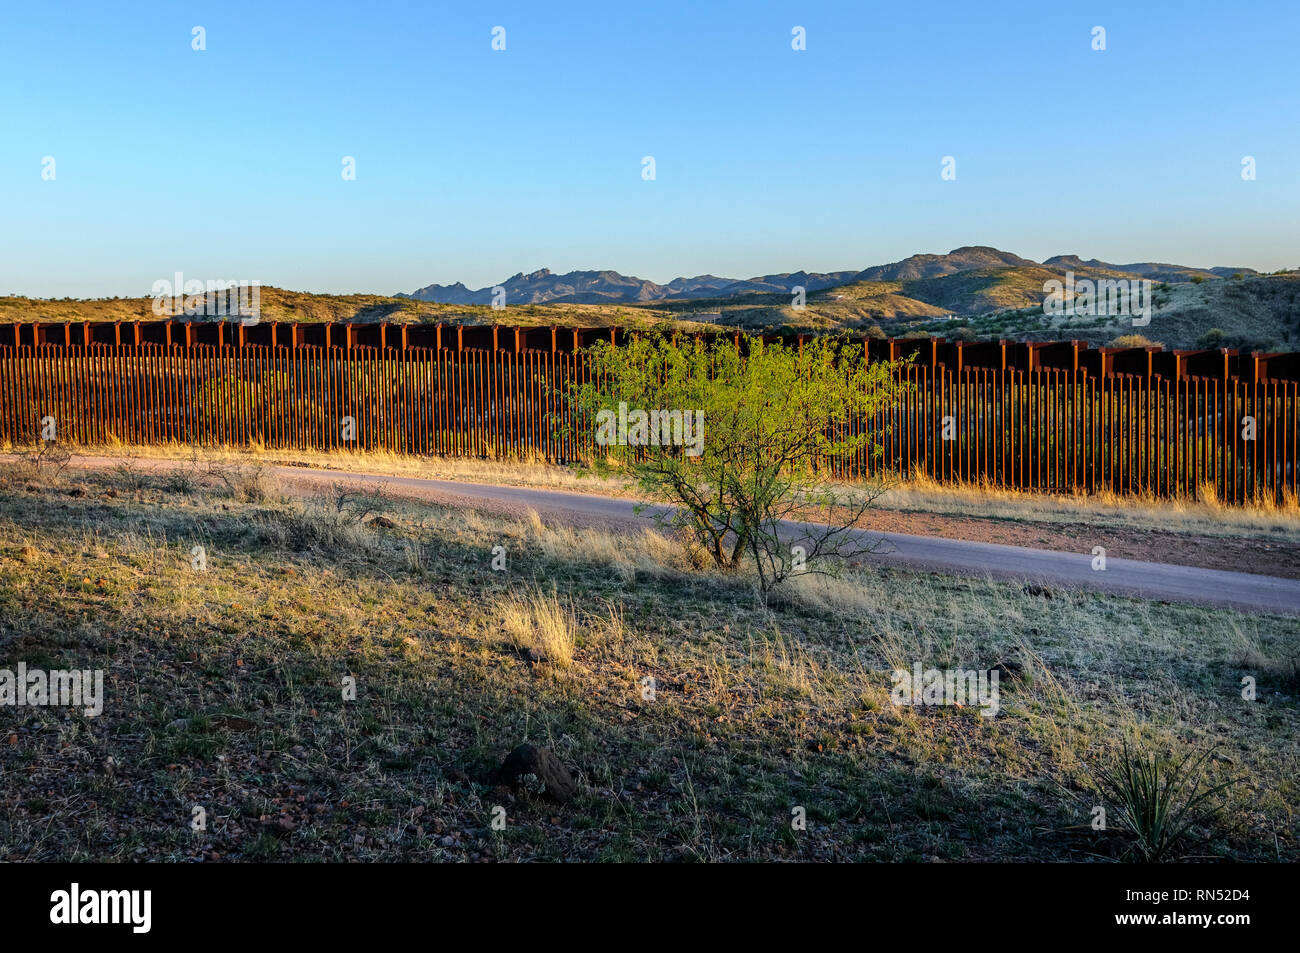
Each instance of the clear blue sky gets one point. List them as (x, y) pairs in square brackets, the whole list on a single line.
[(474, 164)]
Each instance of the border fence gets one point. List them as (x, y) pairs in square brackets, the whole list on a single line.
[(1041, 416)]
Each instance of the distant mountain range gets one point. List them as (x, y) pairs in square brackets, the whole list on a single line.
[(611, 287), (971, 293)]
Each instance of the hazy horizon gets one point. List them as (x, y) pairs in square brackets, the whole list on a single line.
[(660, 280)]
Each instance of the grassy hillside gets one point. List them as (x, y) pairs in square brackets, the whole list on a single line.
[(280, 305), (222, 690), (1252, 311), (983, 290)]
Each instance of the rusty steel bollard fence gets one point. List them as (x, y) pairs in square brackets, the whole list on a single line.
[(1055, 417)]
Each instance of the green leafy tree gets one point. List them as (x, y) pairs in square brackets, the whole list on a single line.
[(744, 442)]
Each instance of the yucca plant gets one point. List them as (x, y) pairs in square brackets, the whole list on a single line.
[(1160, 798)]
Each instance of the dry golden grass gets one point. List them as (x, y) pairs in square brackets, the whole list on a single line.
[(1208, 516), (535, 473), (648, 552), (537, 621)]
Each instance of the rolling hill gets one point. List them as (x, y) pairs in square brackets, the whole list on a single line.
[(973, 292)]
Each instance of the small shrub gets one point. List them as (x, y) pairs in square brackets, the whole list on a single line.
[(1132, 340), (180, 481), (314, 527), (353, 502), (1212, 338), (1217, 337), (131, 476), (42, 465), (248, 484), (1160, 800)]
